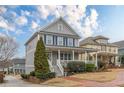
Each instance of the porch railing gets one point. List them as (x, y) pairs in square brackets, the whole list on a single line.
[(50, 66), (60, 66)]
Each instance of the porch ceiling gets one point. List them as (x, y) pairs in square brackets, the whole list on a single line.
[(76, 49)]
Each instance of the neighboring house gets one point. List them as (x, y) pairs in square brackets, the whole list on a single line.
[(18, 66), (120, 45), (62, 46), (107, 52)]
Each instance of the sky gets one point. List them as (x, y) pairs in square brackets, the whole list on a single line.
[(20, 22)]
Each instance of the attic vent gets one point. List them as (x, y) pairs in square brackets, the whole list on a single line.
[(60, 27)]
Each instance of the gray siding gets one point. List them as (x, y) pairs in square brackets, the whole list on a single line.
[(54, 28), (30, 49)]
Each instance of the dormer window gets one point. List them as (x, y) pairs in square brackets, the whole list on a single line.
[(60, 27)]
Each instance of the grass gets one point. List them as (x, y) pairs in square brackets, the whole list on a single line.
[(60, 82), (99, 76), (93, 76)]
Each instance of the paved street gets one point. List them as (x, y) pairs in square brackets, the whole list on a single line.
[(11, 81)]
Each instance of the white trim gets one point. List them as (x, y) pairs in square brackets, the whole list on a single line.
[(96, 61), (85, 56), (73, 55), (29, 65)]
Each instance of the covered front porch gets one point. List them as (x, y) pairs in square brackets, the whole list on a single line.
[(59, 56), (110, 58)]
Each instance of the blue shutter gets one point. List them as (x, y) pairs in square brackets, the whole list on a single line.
[(73, 42), (66, 41)]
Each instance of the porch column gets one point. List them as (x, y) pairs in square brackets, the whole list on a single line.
[(51, 56), (59, 55), (96, 64), (85, 56), (73, 55)]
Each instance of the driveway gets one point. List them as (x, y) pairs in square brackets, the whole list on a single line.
[(12, 81)]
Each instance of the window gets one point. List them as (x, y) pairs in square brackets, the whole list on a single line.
[(103, 48), (70, 41), (65, 56), (62, 56), (69, 56), (49, 39), (60, 27), (60, 41)]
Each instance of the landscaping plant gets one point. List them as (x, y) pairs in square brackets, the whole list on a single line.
[(40, 58)]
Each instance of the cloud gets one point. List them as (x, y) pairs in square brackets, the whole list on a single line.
[(21, 20), (34, 25), (19, 32), (75, 16), (25, 13), (2, 9), (5, 25), (91, 23)]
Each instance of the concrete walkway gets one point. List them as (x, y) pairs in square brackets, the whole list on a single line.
[(88, 83), (12, 81)]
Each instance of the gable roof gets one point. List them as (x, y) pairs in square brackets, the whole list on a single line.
[(58, 19), (91, 40), (100, 37), (120, 44), (48, 25)]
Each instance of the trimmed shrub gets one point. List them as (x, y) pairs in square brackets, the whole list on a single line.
[(76, 66), (51, 75), (90, 67), (25, 76), (38, 74), (45, 75), (32, 73)]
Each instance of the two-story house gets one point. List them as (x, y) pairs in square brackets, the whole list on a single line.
[(107, 52), (62, 45)]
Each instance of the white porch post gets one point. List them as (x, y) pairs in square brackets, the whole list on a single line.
[(85, 56), (96, 61), (51, 56), (73, 55), (59, 55)]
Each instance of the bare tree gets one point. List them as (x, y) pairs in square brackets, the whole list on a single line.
[(8, 49)]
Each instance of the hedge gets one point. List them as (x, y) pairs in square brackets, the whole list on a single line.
[(76, 66), (45, 75), (90, 67), (25, 76)]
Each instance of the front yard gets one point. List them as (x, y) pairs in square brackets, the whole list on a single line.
[(60, 82), (92, 77), (99, 76)]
